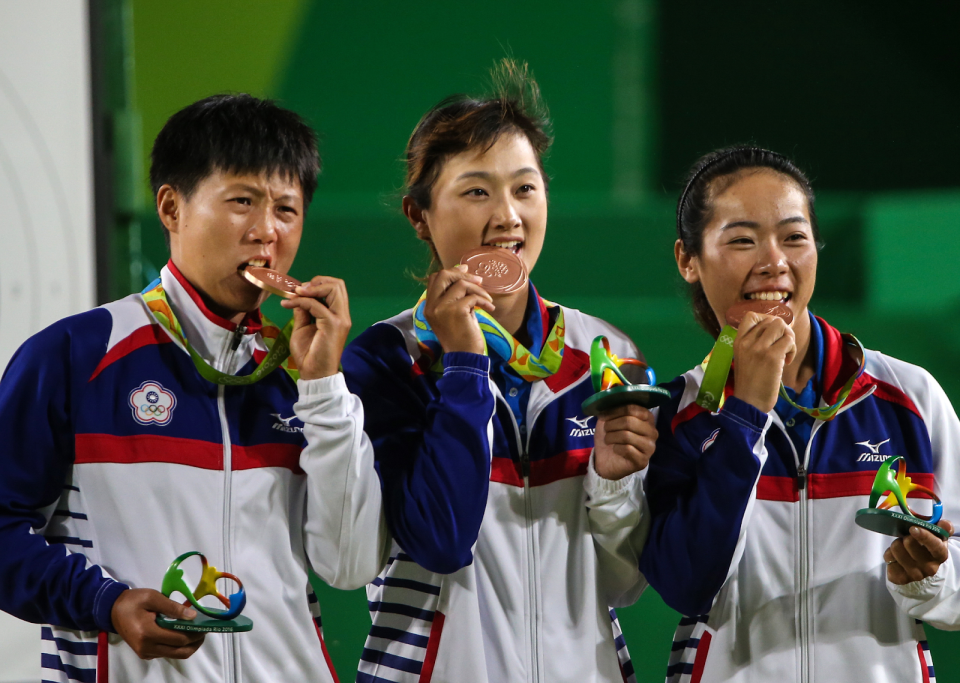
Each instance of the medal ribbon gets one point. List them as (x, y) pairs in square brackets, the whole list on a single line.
[(716, 369), (498, 341), (276, 340)]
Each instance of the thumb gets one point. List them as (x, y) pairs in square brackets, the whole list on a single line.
[(171, 608), (946, 524)]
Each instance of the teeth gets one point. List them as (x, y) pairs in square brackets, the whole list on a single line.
[(506, 245), (257, 262), (769, 296)]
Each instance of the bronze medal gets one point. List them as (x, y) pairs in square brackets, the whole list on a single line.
[(502, 271), (271, 281), (736, 312)]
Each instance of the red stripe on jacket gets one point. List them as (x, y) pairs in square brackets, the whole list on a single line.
[(561, 466), (821, 486), (142, 336), (207, 455)]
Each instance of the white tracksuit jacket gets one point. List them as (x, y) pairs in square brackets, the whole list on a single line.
[(520, 588), (266, 480), (741, 514)]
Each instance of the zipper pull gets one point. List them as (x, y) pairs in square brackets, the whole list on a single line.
[(237, 336), (801, 477)]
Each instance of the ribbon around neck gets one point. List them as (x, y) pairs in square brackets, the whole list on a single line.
[(276, 339), (500, 342), (717, 368)]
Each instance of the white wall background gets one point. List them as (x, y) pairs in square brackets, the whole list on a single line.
[(46, 204)]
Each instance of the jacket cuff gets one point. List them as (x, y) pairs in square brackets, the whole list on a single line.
[(109, 591), (323, 387), (464, 360), (925, 589), (598, 488), (744, 414)]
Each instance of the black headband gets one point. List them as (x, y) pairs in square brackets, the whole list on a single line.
[(713, 162)]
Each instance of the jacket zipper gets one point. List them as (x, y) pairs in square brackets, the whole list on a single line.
[(805, 628), (231, 661), (532, 559)]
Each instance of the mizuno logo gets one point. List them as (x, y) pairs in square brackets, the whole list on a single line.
[(874, 454), (283, 424), (581, 429), (874, 448)]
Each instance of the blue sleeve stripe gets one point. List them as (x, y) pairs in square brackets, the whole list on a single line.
[(391, 661), (69, 513), (367, 678), (407, 583), (70, 540), (398, 635), (49, 661), (398, 608), (74, 647), (679, 668)]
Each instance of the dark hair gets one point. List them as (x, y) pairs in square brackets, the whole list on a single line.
[(460, 122), (233, 133), (695, 206)]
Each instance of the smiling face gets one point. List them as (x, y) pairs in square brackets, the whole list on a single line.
[(758, 244), (495, 197), (229, 221)]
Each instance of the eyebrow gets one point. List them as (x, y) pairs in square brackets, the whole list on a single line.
[(487, 176), (754, 225), (258, 192), (244, 188)]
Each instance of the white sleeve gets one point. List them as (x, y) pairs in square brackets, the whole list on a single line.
[(345, 531), (619, 522), (936, 599)]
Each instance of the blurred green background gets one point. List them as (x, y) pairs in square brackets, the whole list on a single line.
[(862, 94)]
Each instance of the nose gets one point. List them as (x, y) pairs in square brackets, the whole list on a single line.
[(771, 259), (264, 230), (505, 215)]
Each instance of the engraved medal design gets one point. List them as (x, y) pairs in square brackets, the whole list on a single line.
[(271, 281), (736, 312), (502, 271)]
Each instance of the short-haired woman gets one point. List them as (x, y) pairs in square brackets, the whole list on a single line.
[(512, 540)]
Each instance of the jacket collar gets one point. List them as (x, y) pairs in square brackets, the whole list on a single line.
[(211, 335), (840, 361)]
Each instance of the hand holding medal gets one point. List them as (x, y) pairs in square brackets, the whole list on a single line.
[(765, 344), (321, 318), (454, 294)]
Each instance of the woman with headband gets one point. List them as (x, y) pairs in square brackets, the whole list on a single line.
[(760, 469), (513, 538)]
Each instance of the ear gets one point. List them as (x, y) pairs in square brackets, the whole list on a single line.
[(689, 266), (417, 218), (170, 208)]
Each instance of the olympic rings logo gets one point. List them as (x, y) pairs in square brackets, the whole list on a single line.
[(151, 404)]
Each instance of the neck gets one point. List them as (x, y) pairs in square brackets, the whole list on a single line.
[(212, 306), (225, 313), (803, 367), (510, 310)]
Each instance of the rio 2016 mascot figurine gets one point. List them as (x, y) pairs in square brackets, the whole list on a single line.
[(207, 620), (897, 488), (613, 388)]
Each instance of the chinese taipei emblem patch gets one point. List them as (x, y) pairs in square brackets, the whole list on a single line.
[(152, 404)]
